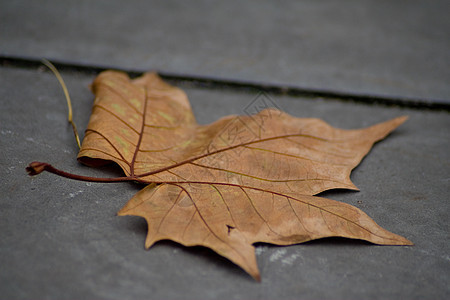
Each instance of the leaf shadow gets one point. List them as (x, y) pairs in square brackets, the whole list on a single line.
[(339, 242), (328, 242), (139, 226), (112, 170), (210, 257), (105, 168), (338, 193)]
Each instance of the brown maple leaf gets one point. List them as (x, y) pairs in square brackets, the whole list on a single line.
[(230, 184)]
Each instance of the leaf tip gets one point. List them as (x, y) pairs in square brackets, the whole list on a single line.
[(257, 277), (121, 212), (406, 242), (396, 122), (353, 187), (400, 120), (396, 240), (399, 240), (149, 242)]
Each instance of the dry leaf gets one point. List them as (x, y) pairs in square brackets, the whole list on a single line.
[(230, 184)]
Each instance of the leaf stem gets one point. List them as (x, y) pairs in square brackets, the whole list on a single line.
[(36, 168), (66, 93)]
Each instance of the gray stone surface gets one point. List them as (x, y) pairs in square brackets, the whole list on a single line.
[(389, 48), (60, 239)]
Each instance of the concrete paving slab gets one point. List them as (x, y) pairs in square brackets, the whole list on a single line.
[(387, 48), (62, 240)]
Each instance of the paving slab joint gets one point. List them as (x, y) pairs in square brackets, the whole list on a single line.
[(196, 81)]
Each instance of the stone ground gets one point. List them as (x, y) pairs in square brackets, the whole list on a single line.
[(61, 239)]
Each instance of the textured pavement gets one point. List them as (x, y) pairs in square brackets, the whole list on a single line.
[(61, 239)]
